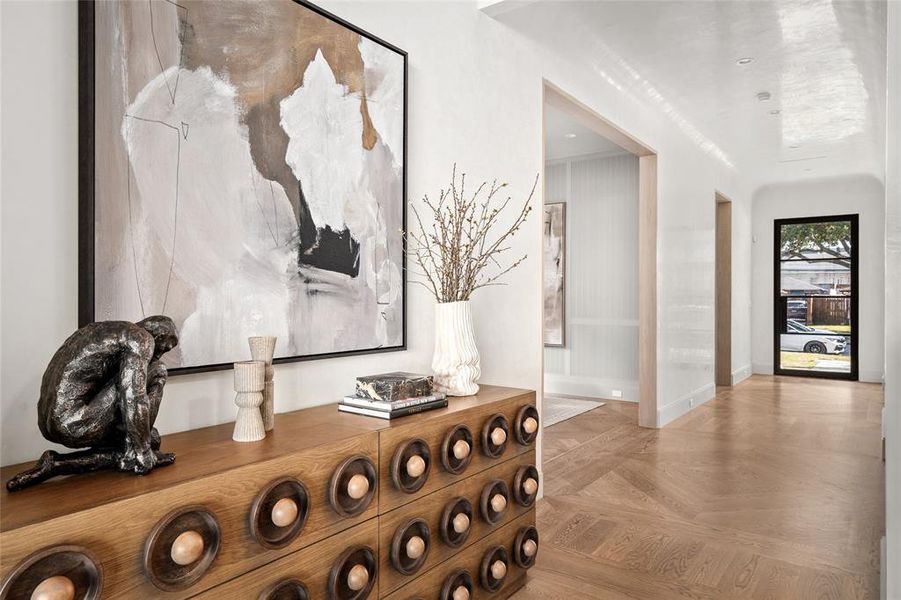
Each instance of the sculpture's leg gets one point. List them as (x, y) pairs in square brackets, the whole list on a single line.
[(79, 422), (52, 464)]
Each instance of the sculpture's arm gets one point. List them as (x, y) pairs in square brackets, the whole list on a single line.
[(136, 414)]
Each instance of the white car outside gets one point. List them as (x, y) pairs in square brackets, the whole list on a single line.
[(801, 338)]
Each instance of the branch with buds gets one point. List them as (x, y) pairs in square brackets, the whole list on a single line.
[(457, 253)]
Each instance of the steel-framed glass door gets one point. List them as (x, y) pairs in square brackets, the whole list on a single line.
[(815, 268)]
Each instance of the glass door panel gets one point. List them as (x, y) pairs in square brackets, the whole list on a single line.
[(815, 297)]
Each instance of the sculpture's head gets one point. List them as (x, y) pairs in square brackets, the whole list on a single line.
[(163, 331)]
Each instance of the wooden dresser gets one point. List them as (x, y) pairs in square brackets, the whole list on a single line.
[(330, 505)]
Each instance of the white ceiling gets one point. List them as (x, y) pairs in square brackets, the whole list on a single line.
[(559, 128), (822, 62)]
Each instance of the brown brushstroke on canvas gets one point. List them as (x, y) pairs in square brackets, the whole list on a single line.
[(369, 135), (264, 49)]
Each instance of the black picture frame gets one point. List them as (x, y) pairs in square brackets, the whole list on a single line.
[(780, 302), (87, 172)]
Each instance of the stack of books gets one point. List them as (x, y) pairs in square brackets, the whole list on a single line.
[(392, 395)]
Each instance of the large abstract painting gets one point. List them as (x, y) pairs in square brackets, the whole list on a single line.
[(554, 253), (244, 174)]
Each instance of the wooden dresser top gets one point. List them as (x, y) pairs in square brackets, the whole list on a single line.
[(202, 452)]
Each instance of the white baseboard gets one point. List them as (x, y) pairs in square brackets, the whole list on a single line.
[(739, 375), (865, 376), (675, 409), (870, 376), (591, 387), (762, 368)]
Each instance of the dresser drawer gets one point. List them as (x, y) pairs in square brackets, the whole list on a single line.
[(313, 567), (132, 540), (432, 518), (465, 427), (473, 566)]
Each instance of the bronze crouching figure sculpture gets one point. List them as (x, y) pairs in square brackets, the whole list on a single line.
[(102, 391)]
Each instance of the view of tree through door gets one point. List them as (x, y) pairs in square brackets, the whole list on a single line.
[(816, 297)]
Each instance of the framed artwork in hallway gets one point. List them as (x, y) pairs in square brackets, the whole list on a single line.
[(243, 171), (554, 255)]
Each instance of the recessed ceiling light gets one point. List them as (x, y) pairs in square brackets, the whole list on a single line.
[(763, 96), (744, 61), (775, 111), (569, 136)]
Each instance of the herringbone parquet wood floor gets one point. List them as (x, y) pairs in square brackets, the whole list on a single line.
[(773, 490)]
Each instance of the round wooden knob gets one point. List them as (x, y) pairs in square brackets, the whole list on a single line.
[(285, 589), (498, 436), (525, 546), (498, 569), (530, 425), (358, 486), (58, 587), (409, 547), (493, 501), (187, 548), (357, 577), (415, 466), (181, 547), (526, 425), (284, 512), (461, 449), (525, 485), (461, 523), (410, 465), (494, 436), (493, 569), (63, 572), (415, 547), (352, 575), (460, 593), (279, 513), (353, 487)]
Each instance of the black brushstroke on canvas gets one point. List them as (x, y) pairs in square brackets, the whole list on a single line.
[(102, 391), (334, 251), (323, 248)]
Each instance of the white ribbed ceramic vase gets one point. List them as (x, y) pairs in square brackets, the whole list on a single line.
[(455, 364), (250, 380)]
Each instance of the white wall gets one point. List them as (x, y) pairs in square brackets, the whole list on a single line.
[(892, 420), (601, 351), (864, 195), (475, 97)]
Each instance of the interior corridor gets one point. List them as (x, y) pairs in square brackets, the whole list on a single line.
[(771, 490)]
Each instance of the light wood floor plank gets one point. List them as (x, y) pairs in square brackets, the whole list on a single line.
[(771, 491)]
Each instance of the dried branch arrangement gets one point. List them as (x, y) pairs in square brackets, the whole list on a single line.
[(459, 253)]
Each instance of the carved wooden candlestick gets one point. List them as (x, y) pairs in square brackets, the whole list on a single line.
[(249, 385), (262, 348)]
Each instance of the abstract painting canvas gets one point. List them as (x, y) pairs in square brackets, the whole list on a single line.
[(244, 174), (554, 274)]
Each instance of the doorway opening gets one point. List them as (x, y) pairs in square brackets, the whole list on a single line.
[(815, 297), (723, 291), (599, 281)]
